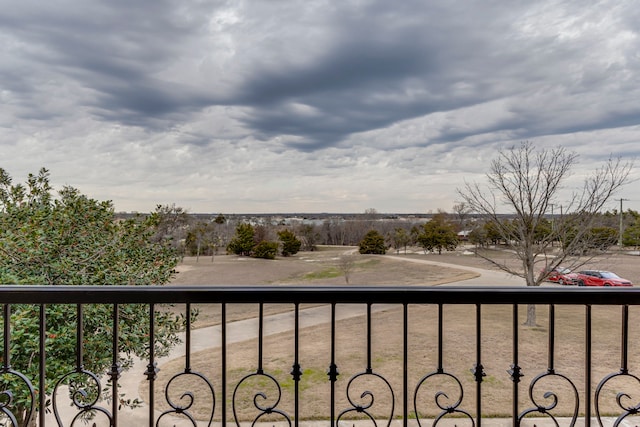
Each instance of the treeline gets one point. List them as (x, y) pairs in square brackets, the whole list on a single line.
[(198, 236), (195, 235)]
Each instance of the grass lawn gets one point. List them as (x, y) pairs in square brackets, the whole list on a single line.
[(387, 357)]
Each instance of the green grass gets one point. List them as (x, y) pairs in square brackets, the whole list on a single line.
[(327, 273)]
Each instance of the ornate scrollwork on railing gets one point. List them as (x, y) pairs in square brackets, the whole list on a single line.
[(443, 401), (551, 397), (7, 397), (260, 399), (187, 399), (621, 397), (367, 398), (84, 391)]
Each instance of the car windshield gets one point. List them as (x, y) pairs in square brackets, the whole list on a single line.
[(563, 270), (609, 275)]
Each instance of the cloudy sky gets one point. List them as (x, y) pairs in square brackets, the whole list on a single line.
[(310, 106)]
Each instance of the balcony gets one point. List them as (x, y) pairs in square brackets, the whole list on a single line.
[(375, 356)]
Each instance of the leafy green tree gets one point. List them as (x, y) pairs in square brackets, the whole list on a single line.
[(243, 242), (631, 234), (400, 239), (478, 236), (373, 243), (602, 238), (596, 238), (438, 234), (290, 243), (492, 232), (265, 249), (74, 240)]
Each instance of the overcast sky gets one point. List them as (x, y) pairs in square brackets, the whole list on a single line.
[(310, 106)]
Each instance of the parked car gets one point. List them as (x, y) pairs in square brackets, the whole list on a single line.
[(600, 278), (562, 276)]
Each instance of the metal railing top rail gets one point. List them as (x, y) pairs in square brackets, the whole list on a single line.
[(28, 294)]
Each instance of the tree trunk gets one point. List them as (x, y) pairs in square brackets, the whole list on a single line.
[(531, 315)]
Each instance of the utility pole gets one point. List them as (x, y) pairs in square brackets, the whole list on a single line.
[(620, 235)]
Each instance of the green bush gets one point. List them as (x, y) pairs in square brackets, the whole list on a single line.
[(373, 243), (290, 243), (266, 250)]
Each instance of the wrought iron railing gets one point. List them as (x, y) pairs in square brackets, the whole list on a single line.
[(567, 386)]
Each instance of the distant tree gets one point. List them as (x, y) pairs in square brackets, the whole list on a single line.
[(371, 214), (462, 212), (220, 219), (346, 263), (309, 237), (631, 234), (262, 233), (602, 238), (478, 237), (372, 243), (400, 239), (528, 182), (243, 241), (71, 239), (200, 238), (493, 232), (438, 234), (290, 243), (542, 230), (265, 249), (596, 238), (173, 222)]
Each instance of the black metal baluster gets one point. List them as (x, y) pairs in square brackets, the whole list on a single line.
[(152, 370), (260, 337), (223, 356), (551, 396), (263, 408), (369, 367), (366, 399), (6, 363), (624, 345), (116, 369), (333, 369), (6, 313), (405, 365), (624, 371), (187, 399), (552, 339), (187, 357), (587, 375), (42, 366), (515, 371), (84, 393), (440, 368), (296, 372), (446, 403), (79, 335), (479, 369)]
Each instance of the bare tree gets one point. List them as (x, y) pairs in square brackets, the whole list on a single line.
[(461, 211), (525, 183), (346, 263)]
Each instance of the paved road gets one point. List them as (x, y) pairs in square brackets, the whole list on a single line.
[(485, 278)]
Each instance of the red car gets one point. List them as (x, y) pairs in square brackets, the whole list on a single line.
[(600, 278), (562, 276)]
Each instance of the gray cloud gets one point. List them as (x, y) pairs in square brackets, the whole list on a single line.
[(348, 87)]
